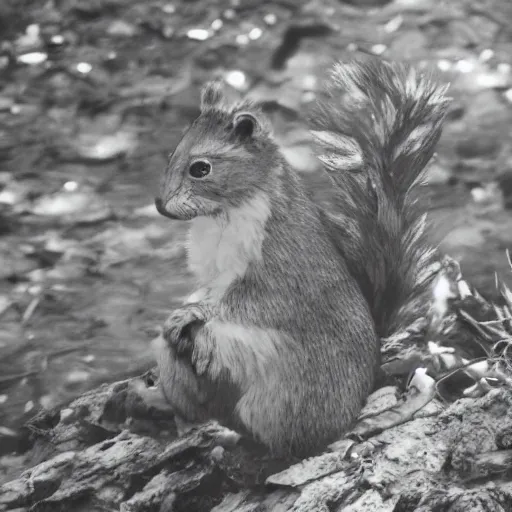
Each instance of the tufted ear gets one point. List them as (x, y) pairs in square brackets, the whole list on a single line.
[(245, 125), (212, 95)]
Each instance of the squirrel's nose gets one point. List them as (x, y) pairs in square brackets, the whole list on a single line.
[(161, 209), (159, 204)]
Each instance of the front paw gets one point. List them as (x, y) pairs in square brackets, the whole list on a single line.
[(180, 326)]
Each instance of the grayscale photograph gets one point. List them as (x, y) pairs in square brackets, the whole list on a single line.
[(255, 256)]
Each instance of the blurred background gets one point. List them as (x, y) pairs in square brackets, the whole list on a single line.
[(94, 94)]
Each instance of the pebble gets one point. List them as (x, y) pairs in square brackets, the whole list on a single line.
[(77, 376), (378, 49), (106, 147), (255, 33), (270, 19), (217, 453), (229, 14), (46, 401), (122, 29), (394, 24), (217, 24), (486, 55), (168, 8), (199, 34), (30, 38), (84, 68), (6, 103), (444, 64), (33, 58), (65, 414), (242, 39), (57, 39), (236, 79), (465, 66)]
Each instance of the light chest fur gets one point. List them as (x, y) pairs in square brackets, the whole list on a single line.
[(221, 248)]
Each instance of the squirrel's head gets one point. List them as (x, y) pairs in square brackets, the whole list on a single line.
[(224, 158)]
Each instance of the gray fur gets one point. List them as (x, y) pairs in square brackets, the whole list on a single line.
[(290, 347), (397, 121), (212, 95)]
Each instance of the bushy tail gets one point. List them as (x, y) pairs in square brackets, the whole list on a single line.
[(377, 126)]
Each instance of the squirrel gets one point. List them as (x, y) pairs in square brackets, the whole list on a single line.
[(282, 336)]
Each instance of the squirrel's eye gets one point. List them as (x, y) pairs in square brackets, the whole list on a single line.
[(200, 169)]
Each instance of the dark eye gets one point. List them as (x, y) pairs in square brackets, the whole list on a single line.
[(200, 169)]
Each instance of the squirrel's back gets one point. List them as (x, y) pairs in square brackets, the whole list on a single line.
[(296, 303)]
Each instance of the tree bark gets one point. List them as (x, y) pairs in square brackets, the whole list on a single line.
[(110, 451)]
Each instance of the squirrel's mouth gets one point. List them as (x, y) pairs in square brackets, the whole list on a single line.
[(159, 204)]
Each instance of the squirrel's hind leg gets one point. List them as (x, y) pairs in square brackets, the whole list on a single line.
[(268, 375), (244, 353)]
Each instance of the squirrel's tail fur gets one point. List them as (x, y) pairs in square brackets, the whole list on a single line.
[(377, 126)]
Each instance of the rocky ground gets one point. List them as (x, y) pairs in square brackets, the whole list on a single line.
[(411, 451), (93, 96)]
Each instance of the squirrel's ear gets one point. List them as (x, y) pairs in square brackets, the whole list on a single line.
[(212, 95), (245, 125)]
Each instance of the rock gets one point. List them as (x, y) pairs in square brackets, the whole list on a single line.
[(438, 174), (409, 45), (370, 501), (380, 400), (309, 470), (6, 103), (14, 262), (366, 3), (485, 127), (94, 458), (106, 147), (82, 205), (122, 29), (478, 144)]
